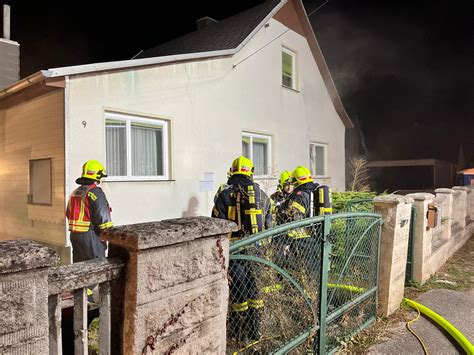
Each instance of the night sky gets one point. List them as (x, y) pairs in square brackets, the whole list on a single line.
[(404, 70)]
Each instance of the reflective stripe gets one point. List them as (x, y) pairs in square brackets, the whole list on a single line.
[(272, 288), (298, 234), (321, 196), (92, 196), (255, 303), (105, 225), (298, 207), (231, 213), (240, 307)]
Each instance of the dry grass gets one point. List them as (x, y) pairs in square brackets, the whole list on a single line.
[(456, 274)]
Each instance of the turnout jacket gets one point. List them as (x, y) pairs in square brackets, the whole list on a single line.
[(244, 203), (88, 209)]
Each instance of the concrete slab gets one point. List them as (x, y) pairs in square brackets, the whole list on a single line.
[(455, 306)]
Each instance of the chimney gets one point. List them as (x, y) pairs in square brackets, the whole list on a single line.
[(9, 54), (204, 22)]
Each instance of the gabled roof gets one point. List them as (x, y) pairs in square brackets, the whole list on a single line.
[(228, 33), (224, 38)]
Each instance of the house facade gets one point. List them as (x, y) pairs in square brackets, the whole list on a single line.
[(168, 127)]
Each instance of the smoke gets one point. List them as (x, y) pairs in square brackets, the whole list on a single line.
[(405, 71)]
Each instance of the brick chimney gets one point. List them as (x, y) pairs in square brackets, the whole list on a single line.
[(9, 54), (204, 22)]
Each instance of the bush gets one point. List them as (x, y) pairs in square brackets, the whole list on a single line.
[(340, 199)]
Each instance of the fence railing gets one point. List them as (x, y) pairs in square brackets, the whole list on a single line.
[(69, 287), (304, 285)]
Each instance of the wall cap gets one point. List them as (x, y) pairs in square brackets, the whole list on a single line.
[(23, 254), (149, 235), (393, 199), (421, 196), (444, 191)]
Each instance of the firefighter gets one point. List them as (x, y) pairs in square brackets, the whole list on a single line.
[(308, 199), (244, 203), (88, 213), (284, 189)]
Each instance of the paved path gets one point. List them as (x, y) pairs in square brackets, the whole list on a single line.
[(455, 306)]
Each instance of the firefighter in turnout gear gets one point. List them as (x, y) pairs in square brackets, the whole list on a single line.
[(284, 189), (244, 203), (88, 213), (308, 199)]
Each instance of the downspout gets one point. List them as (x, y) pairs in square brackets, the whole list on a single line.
[(67, 188)]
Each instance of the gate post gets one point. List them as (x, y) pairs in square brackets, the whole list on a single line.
[(423, 241), (175, 295), (396, 214), (323, 289)]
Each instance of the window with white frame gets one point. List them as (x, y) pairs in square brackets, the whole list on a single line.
[(318, 159), (288, 72), (257, 147), (136, 147)]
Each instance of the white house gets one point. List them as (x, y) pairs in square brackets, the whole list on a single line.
[(169, 123)]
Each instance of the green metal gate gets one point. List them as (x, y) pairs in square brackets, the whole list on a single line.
[(304, 286)]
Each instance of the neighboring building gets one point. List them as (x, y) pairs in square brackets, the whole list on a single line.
[(169, 123), (411, 175)]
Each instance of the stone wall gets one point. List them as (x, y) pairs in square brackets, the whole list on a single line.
[(176, 290), (24, 297), (172, 298)]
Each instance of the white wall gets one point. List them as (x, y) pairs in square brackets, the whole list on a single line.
[(209, 103), (32, 130)]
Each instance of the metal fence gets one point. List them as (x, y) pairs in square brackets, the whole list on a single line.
[(303, 286), (411, 247)]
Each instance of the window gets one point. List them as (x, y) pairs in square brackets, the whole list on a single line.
[(318, 159), (136, 147), (257, 147), (40, 182), (288, 68)]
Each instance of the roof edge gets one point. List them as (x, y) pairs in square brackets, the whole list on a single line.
[(322, 65), (132, 63), (25, 82), (261, 24)]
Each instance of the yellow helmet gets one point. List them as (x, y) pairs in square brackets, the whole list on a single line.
[(242, 165), (285, 178), (301, 175), (94, 170)]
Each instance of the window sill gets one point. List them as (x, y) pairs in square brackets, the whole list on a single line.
[(291, 89), (322, 177)]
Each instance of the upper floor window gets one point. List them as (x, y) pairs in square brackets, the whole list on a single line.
[(288, 73), (257, 147), (136, 147), (318, 159)]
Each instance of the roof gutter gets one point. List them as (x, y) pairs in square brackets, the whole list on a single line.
[(26, 82)]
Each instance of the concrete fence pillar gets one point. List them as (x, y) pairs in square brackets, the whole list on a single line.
[(459, 208), (446, 205), (470, 203), (396, 214), (422, 237), (24, 327), (175, 286)]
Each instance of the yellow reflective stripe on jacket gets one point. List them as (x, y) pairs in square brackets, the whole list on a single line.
[(298, 206), (92, 196), (240, 307), (105, 225), (231, 213), (272, 288), (255, 303)]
